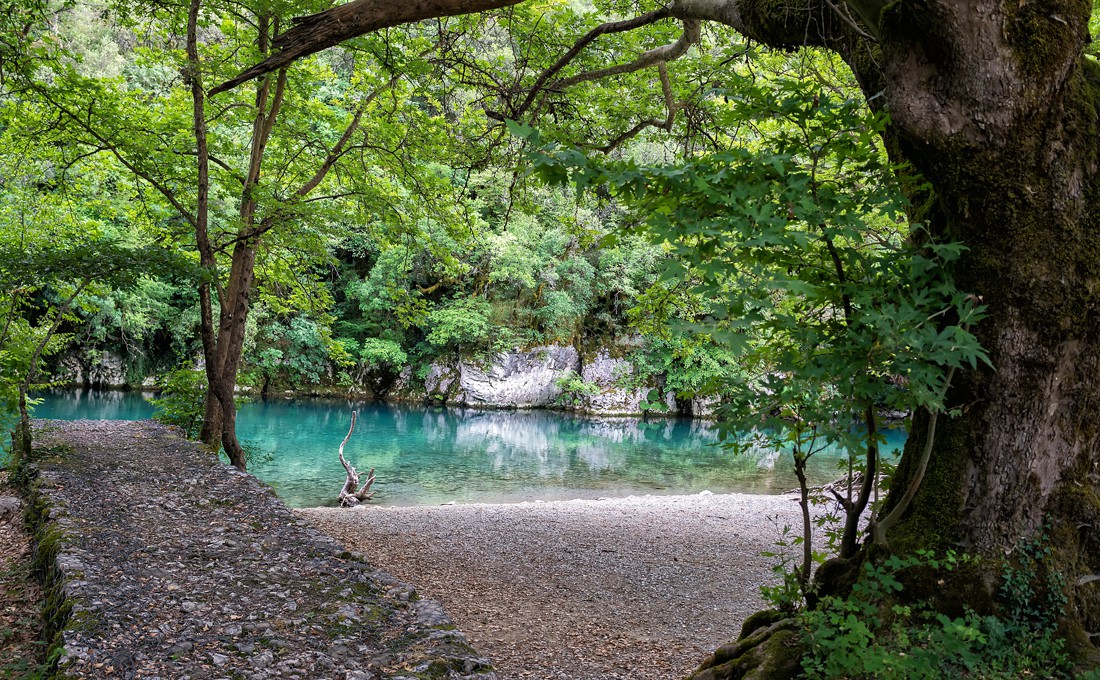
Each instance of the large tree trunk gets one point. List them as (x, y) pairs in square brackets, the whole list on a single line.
[(223, 352), (1025, 451), (996, 105)]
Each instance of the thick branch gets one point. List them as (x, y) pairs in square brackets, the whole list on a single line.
[(317, 32), (585, 41), (666, 124)]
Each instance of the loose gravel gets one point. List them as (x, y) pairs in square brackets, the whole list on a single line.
[(639, 588)]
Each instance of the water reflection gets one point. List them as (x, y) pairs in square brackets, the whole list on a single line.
[(435, 455)]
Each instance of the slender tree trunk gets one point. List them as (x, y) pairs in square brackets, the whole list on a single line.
[(223, 351), (21, 440)]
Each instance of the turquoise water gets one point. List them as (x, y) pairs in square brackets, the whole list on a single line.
[(434, 455)]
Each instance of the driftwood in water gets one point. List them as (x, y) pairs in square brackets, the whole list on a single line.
[(351, 494)]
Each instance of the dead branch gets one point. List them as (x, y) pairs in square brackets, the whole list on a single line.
[(351, 495)]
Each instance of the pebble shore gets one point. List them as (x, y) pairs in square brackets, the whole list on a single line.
[(638, 588)]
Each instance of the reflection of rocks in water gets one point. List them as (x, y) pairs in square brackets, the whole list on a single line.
[(703, 430), (616, 431), (514, 439), (601, 457), (96, 404), (400, 421), (435, 426), (765, 458)]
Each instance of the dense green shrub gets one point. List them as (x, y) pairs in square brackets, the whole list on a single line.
[(462, 322), (576, 392)]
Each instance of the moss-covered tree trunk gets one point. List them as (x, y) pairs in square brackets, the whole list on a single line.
[(996, 105), (1025, 450)]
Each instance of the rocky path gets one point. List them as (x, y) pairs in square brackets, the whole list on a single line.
[(167, 564), (20, 596)]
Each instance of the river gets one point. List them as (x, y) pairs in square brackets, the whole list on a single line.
[(425, 455)]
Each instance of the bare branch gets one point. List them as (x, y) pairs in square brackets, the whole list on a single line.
[(351, 494), (658, 55), (879, 528), (870, 11), (842, 12)]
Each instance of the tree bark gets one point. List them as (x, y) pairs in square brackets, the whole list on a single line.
[(997, 106)]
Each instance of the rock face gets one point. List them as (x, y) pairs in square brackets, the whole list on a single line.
[(519, 379), (704, 407), (528, 379), (609, 373), (93, 369)]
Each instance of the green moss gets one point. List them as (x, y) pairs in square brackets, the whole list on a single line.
[(1040, 37), (777, 23), (1076, 552), (761, 619), (775, 657), (933, 518)]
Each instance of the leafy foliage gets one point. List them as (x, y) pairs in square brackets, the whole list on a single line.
[(576, 392), (792, 253), (876, 632), (182, 400)]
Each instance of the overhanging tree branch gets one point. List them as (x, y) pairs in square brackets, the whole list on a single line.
[(657, 56), (317, 32), (666, 124), (114, 149)]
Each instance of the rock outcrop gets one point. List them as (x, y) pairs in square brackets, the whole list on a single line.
[(93, 369), (611, 374), (529, 379)]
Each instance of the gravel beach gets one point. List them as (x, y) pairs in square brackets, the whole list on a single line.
[(637, 587)]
